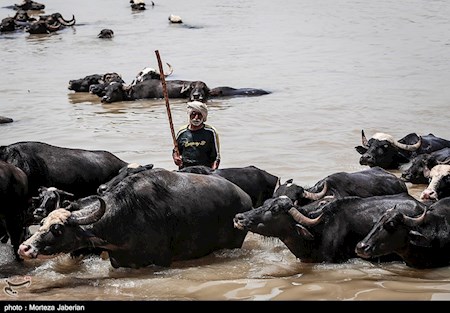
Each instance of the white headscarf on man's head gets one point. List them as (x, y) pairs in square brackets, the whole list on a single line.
[(197, 106)]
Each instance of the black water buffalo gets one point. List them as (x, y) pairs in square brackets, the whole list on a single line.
[(5, 120), (421, 239), (257, 183), (234, 92), (384, 151), (19, 21), (439, 186), (370, 182), (49, 23), (151, 217), (50, 199), (83, 84), (42, 27), (29, 5), (130, 169), (100, 88), (137, 5), (146, 73), (77, 171), (8, 24), (152, 89), (106, 33), (329, 234), (415, 171), (13, 204)]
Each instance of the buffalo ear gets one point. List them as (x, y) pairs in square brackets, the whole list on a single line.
[(418, 239), (302, 231), (361, 149)]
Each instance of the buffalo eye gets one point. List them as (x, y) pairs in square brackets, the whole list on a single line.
[(389, 226), (57, 229)]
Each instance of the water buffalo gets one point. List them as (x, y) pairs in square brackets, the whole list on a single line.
[(29, 5), (78, 171), (151, 217), (150, 73), (130, 169), (257, 183), (137, 5), (370, 182), (234, 92), (100, 88), (49, 23), (415, 171), (439, 186), (5, 120), (9, 24), (13, 204), (19, 21), (175, 19), (421, 239), (329, 234), (384, 151), (152, 89), (83, 84), (50, 199), (106, 33)]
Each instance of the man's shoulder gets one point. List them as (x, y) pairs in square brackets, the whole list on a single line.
[(210, 128), (183, 128)]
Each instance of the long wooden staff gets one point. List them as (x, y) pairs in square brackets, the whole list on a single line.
[(166, 97)]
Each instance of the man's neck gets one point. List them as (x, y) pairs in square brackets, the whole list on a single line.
[(193, 127)]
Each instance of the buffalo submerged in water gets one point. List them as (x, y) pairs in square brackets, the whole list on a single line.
[(150, 217)]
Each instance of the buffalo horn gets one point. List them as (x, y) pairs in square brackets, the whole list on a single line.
[(445, 162), (66, 22), (170, 70), (89, 214), (53, 27), (303, 220), (185, 88), (364, 141), (408, 147), (414, 221), (318, 195), (65, 193)]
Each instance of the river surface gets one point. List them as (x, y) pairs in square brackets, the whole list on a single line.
[(333, 67)]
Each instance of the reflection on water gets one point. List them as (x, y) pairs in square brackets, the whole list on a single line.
[(334, 68)]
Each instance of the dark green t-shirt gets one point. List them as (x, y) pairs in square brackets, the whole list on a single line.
[(198, 147)]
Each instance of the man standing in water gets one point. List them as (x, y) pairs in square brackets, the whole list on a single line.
[(198, 143)]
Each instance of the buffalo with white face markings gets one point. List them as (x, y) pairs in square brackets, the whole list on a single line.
[(417, 171), (154, 216), (384, 151), (439, 186)]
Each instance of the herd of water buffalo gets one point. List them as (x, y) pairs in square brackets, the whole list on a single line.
[(90, 201), (87, 202), (48, 23), (110, 87)]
